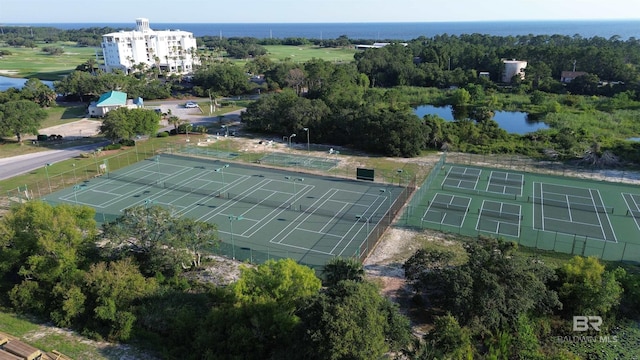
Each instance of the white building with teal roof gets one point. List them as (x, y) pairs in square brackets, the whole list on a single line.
[(110, 101)]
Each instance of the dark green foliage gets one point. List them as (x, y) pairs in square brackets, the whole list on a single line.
[(20, 117), (587, 288), (225, 79), (490, 291), (448, 340), (128, 142), (43, 250), (163, 134), (350, 321), (161, 239), (125, 124), (53, 50), (115, 146), (339, 269)]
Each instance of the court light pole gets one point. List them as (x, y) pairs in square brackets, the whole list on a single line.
[(158, 166), (366, 219), (399, 171), (290, 137), (46, 170), (221, 171), (233, 218), (75, 179), (293, 181), (387, 194), (75, 192), (307, 131)]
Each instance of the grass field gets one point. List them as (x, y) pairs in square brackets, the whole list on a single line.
[(26, 62), (301, 54)]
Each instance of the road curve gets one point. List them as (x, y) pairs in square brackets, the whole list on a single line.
[(16, 165)]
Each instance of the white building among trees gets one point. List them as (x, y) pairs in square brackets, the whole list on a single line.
[(512, 68), (171, 51)]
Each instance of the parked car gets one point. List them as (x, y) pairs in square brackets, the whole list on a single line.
[(190, 105)]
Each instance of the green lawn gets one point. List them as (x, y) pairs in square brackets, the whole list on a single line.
[(26, 62), (301, 54), (58, 115)]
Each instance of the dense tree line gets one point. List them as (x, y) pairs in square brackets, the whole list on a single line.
[(135, 286), (21, 110), (30, 36), (85, 85), (496, 303)]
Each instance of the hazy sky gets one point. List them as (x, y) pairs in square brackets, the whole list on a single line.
[(304, 11)]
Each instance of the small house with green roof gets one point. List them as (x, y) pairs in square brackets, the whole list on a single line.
[(109, 101)]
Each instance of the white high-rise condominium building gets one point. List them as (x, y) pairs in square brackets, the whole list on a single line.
[(172, 51)]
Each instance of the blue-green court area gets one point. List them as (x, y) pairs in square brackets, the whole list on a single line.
[(261, 213), (572, 215)]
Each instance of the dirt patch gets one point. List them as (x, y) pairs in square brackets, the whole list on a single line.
[(76, 129)]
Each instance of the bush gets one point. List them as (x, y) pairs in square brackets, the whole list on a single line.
[(113, 147), (127, 142), (163, 134)]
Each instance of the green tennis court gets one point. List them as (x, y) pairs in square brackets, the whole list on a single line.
[(261, 212), (293, 160), (549, 212)]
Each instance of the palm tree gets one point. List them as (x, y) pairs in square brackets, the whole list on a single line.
[(175, 121)]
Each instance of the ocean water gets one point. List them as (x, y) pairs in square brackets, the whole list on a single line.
[(624, 29)]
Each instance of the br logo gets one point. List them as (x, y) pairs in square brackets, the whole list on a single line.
[(582, 323)]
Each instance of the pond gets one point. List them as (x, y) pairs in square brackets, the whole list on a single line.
[(8, 82), (516, 122)]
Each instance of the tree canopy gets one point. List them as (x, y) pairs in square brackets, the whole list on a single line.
[(20, 117), (125, 124)]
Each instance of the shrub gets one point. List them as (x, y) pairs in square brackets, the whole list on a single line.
[(127, 142), (113, 147), (163, 134)]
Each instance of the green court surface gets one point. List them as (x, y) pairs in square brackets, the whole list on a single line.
[(261, 213), (571, 215)]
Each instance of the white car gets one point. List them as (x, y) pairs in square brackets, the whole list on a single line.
[(190, 105)]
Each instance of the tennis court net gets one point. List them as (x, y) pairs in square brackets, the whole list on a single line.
[(135, 180), (506, 181), (445, 206), (571, 205), (298, 208), (458, 175), (499, 214), (633, 213), (191, 189)]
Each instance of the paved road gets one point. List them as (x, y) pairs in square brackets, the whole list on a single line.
[(16, 165), (21, 164)]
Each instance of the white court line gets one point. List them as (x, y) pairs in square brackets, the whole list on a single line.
[(629, 207), (320, 199), (606, 214), (230, 202), (566, 200), (354, 236), (318, 232), (270, 219)]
